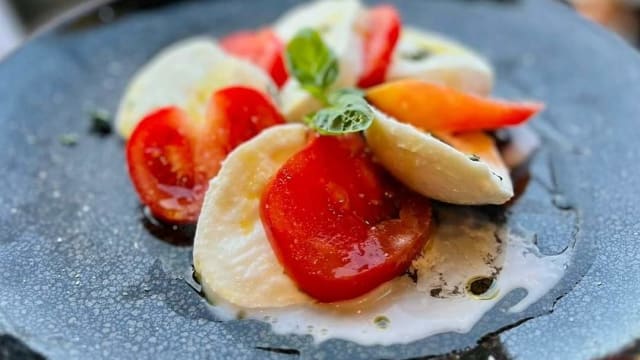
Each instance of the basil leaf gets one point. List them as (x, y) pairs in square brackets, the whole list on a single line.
[(315, 67), (312, 62), (343, 95), (349, 113)]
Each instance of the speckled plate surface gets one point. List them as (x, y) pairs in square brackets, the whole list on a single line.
[(82, 277)]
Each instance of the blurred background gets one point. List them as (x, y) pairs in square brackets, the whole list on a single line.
[(19, 18)]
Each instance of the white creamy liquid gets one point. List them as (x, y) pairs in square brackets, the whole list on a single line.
[(464, 245)]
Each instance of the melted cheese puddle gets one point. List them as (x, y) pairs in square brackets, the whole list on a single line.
[(466, 244)]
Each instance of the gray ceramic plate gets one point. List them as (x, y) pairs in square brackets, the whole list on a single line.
[(82, 277)]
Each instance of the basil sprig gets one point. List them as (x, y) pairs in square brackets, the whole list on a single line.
[(316, 68), (312, 63), (348, 113)]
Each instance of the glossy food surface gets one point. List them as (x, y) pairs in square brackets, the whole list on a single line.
[(83, 277)]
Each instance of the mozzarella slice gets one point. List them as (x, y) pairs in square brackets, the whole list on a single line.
[(434, 58), (185, 74), (336, 21), (297, 102), (435, 169), (232, 256)]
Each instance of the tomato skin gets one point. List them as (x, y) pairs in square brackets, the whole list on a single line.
[(381, 35), (434, 108), (331, 216), (236, 114), (160, 162), (171, 158), (263, 48)]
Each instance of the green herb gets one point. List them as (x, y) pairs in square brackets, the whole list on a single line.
[(312, 63), (474, 157), (100, 122), (416, 55), (68, 139), (382, 321), (348, 113), (315, 67)]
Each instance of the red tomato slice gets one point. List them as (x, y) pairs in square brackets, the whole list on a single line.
[(171, 158), (337, 224), (160, 157), (381, 34), (263, 48), (238, 113)]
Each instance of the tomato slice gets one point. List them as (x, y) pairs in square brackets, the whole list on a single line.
[(236, 114), (434, 107), (160, 157), (381, 34), (263, 48), (338, 224), (171, 158)]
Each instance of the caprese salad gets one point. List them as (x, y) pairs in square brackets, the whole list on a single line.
[(310, 153)]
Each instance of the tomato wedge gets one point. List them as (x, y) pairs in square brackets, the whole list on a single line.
[(171, 158), (160, 157), (337, 223), (381, 34), (434, 107), (238, 113), (263, 48)]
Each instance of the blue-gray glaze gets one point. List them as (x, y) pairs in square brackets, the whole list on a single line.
[(82, 277)]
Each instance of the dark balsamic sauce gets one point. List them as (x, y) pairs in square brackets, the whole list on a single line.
[(178, 235), (480, 286)]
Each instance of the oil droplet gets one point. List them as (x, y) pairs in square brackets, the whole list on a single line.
[(561, 202), (338, 195), (246, 224), (482, 288), (382, 322)]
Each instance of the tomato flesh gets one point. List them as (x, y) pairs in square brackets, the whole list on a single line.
[(171, 158), (338, 224), (160, 158), (263, 48), (238, 113), (381, 35)]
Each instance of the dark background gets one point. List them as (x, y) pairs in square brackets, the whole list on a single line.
[(35, 13), (621, 16)]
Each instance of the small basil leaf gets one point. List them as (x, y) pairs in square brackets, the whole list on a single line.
[(349, 113), (312, 62)]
